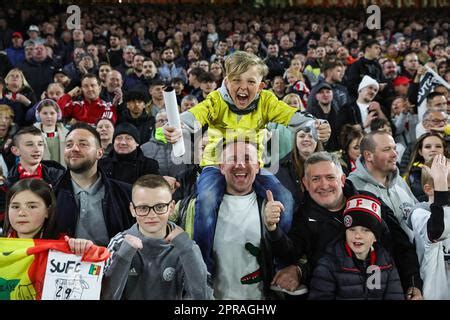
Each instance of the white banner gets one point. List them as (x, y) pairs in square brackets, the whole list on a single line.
[(69, 278)]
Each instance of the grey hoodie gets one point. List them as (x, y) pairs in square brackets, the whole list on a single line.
[(396, 195), (159, 271)]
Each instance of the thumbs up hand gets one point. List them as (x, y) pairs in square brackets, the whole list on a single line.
[(272, 212)]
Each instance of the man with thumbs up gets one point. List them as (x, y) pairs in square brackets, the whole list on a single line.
[(272, 212), (236, 252)]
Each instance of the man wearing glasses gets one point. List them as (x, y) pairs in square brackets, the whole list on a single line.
[(154, 259)]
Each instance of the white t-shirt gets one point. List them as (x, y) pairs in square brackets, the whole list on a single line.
[(238, 225), (363, 108)]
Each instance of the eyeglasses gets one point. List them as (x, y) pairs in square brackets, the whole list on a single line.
[(144, 210), (437, 121)]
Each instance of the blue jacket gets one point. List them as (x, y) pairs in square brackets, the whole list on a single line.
[(15, 55)]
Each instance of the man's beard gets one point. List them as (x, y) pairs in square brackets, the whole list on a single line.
[(168, 60), (80, 167)]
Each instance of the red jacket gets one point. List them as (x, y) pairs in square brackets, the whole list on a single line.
[(87, 111)]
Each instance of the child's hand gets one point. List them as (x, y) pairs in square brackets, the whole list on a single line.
[(172, 134), (133, 241), (78, 246), (175, 232), (174, 184), (323, 130), (272, 212), (439, 172)]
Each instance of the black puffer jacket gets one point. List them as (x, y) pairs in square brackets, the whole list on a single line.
[(340, 276)]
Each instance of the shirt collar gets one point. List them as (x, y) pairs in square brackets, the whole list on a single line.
[(93, 189)]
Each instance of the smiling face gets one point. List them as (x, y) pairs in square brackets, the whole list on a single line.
[(360, 240), (81, 152), (243, 88), (240, 166), (324, 183), (305, 144), (152, 225), (368, 93), (30, 149), (124, 144), (384, 158), (27, 213)]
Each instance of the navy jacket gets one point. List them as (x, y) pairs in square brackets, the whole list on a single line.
[(115, 207), (340, 276), (52, 171)]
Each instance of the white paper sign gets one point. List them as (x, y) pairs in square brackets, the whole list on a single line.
[(69, 278)]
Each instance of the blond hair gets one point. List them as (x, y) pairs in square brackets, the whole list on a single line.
[(5, 109), (296, 96), (240, 62), (22, 76)]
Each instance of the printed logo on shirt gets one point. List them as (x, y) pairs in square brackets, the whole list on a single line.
[(107, 114), (132, 272), (169, 274)]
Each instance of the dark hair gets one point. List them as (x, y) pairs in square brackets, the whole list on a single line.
[(433, 95), (297, 161), (135, 96), (152, 181), (100, 119), (206, 77), (368, 43), (379, 123), (167, 48), (196, 71), (91, 76), (417, 157), (348, 134), (85, 126), (177, 80), (40, 188), (103, 63), (156, 82), (26, 130)]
